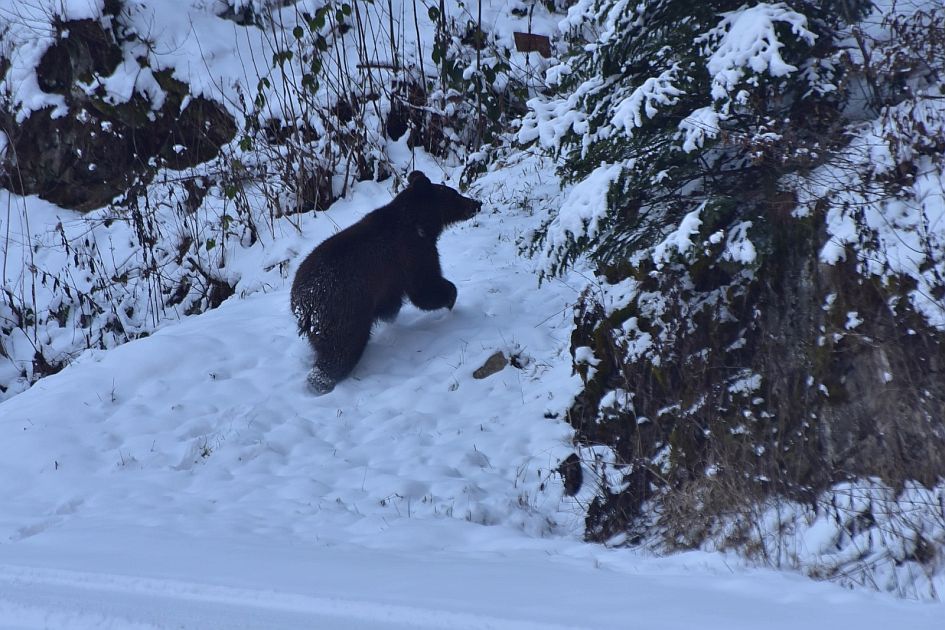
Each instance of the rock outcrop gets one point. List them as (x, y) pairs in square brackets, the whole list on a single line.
[(105, 142)]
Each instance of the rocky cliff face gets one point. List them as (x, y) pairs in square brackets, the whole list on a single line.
[(117, 121)]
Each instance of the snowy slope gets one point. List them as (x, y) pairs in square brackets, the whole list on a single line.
[(158, 579), (216, 407), (189, 480)]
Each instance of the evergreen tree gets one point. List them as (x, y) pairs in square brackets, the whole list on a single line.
[(723, 367), (700, 104)]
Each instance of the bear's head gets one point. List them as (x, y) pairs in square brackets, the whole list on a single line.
[(437, 205)]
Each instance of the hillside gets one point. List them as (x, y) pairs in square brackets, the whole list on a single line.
[(190, 480), (707, 282)]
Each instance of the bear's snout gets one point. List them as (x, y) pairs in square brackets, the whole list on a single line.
[(472, 208)]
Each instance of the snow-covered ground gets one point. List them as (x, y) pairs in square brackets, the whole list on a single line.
[(447, 575), (189, 479)]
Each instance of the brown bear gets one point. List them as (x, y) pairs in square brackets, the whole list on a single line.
[(362, 274)]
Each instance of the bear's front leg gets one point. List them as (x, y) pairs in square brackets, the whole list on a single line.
[(425, 285), (434, 293)]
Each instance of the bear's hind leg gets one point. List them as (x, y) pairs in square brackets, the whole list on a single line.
[(336, 355), (319, 382)]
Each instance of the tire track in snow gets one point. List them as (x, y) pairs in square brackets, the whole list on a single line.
[(47, 598)]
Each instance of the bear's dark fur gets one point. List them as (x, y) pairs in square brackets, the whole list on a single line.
[(363, 273)]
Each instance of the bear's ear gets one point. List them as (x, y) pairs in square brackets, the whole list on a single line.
[(417, 179)]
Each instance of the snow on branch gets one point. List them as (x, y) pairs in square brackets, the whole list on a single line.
[(550, 121), (680, 239), (747, 39), (582, 211), (655, 91), (696, 127)]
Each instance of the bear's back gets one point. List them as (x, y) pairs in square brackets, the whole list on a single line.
[(361, 261)]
